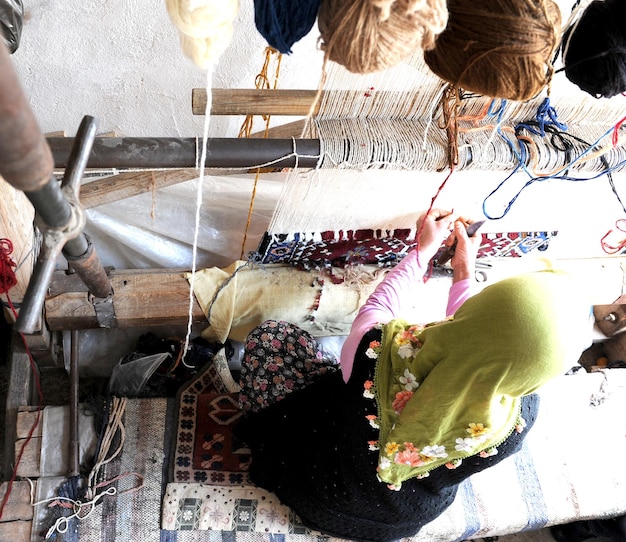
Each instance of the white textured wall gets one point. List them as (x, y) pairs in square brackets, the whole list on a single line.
[(120, 61)]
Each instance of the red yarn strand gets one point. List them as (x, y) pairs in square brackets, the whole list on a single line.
[(7, 281), (7, 266)]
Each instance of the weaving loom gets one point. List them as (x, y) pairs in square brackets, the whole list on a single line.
[(390, 144)]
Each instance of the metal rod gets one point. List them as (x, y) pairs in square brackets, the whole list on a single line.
[(51, 204), (28, 320), (74, 451), (166, 152), (25, 158)]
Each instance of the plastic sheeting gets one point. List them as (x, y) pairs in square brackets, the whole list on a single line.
[(11, 18), (157, 230)]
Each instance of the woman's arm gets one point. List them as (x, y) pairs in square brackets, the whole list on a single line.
[(399, 287)]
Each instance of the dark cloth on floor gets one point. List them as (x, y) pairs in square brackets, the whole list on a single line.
[(311, 450)]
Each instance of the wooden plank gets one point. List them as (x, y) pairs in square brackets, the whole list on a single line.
[(30, 457), (26, 419), (16, 224), (125, 185), (18, 506), (140, 299), (224, 101), (19, 394), (15, 531), (290, 129)]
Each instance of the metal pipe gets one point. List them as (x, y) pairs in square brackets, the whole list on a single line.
[(168, 152), (51, 204), (25, 158)]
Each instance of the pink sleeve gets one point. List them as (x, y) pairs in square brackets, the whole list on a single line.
[(388, 300), (459, 292), (384, 304)]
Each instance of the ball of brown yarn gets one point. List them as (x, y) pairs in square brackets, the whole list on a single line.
[(366, 36), (498, 48)]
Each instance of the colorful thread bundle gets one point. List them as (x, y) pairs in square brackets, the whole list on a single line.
[(367, 36), (498, 48), (594, 49), (205, 27), (284, 23)]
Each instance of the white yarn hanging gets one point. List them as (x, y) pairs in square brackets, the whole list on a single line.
[(205, 27)]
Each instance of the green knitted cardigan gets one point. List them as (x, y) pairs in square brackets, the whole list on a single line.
[(453, 389)]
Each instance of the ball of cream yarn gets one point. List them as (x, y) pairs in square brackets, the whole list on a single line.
[(205, 27)]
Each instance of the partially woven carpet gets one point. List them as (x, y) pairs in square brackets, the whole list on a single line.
[(381, 248)]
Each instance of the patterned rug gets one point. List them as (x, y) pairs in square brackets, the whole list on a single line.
[(378, 247), (206, 450)]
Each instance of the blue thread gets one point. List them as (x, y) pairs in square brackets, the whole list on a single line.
[(547, 122)]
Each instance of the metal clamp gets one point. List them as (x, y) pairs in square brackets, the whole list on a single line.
[(105, 310)]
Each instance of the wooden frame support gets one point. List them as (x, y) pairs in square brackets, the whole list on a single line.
[(288, 102), (141, 298)]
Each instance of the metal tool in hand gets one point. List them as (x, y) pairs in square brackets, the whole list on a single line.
[(449, 252)]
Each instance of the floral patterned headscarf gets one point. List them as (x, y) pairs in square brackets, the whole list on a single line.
[(453, 389)]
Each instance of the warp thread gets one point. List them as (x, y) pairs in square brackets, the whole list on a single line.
[(594, 49), (283, 23), (368, 36), (205, 27), (498, 48)]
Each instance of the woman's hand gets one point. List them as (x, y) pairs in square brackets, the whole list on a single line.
[(433, 228), (464, 260)]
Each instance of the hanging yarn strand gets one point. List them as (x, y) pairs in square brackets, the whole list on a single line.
[(205, 28), (262, 81)]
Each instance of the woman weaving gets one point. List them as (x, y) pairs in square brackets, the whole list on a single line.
[(377, 449)]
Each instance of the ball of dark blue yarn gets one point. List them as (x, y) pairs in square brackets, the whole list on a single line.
[(283, 22), (594, 50)]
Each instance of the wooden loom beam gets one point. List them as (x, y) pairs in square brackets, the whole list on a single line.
[(288, 102), (125, 185), (141, 298)]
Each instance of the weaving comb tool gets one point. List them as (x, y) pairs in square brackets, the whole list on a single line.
[(449, 252)]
